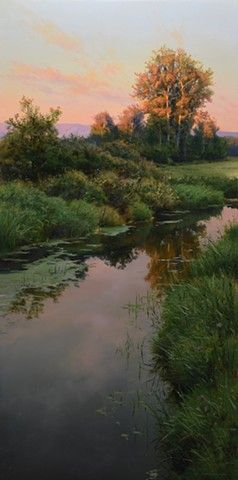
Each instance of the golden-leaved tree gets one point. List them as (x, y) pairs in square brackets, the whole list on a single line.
[(173, 88)]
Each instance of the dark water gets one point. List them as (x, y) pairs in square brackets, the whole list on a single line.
[(75, 377)]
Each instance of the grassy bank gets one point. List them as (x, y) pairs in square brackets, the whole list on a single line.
[(196, 351), (101, 189), (225, 168)]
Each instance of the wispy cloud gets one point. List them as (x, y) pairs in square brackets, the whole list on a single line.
[(52, 34), (90, 83)]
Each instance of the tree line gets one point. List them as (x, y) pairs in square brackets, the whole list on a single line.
[(168, 123)]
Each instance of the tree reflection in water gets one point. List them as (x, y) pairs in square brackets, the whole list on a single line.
[(32, 276)]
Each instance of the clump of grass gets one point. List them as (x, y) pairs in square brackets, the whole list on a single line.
[(200, 432), (18, 227), (229, 186), (28, 215), (195, 197), (197, 318), (109, 217), (140, 212), (87, 215), (219, 258)]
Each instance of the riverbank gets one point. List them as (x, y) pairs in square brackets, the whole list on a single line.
[(195, 351), (76, 204)]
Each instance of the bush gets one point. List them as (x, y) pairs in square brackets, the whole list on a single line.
[(117, 191), (74, 185), (158, 154), (109, 217), (71, 185), (122, 149), (157, 194), (198, 196), (139, 212)]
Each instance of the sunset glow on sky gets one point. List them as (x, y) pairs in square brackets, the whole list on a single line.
[(83, 55)]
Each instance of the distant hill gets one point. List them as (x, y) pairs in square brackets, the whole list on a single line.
[(228, 134), (67, 129), (64, 129)]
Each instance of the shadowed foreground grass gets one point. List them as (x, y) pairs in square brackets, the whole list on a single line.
[(196, 351)]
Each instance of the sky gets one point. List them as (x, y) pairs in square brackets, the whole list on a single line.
[(83, 55)]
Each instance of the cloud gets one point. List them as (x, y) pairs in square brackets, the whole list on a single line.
[(50, 31), (54, 35), (91, 83), (80, 84), (112, 69)]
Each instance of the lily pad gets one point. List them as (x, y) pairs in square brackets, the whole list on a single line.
[(113, 231)]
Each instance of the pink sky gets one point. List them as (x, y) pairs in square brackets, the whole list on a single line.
[(83, 55)]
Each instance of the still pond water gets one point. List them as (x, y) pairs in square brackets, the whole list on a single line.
[(75, 376)]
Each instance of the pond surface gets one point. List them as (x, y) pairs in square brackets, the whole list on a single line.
[(75, 377)]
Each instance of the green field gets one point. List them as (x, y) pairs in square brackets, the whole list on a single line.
[(228, 167)]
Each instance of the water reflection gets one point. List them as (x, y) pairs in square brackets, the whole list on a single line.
[(74, 381), (30, 277)]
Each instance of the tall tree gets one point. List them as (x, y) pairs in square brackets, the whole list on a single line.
[(174, 87)]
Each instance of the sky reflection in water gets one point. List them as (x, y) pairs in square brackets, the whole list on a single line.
[(72, 377)]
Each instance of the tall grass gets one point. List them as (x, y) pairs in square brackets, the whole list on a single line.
[(195, 197), (196, 351), (229, 186), (28, 215)]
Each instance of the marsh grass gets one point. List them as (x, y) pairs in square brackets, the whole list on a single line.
[(195, 197), (28, 215), (196, 351)]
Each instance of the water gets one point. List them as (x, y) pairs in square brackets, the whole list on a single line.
[(75, 377)]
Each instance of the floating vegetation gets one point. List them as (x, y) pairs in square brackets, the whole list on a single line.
[(113, 231), (24, 290)]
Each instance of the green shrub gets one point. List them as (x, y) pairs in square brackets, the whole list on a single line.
[(139, 212), (109, 217), (198, 196), (118, 192), (157, 194), (74, 185), (121, 149), (71, 185)]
